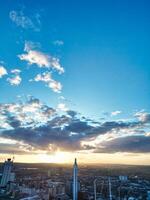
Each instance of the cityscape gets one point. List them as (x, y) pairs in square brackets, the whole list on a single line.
[(75, 100), (66, 182)]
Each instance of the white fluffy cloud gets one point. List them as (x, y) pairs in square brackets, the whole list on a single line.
[(55, 86), (45, 77), (41, 59), (50, 82), (3, 71), (35, 57), (117, 112), (15, 79), (62, 107)]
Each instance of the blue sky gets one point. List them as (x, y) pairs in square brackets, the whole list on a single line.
[(102, 46)]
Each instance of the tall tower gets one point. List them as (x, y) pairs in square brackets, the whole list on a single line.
[(110, 195), (75, 180), (6, 176)]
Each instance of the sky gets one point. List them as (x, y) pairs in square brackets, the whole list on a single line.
[(75, 81)]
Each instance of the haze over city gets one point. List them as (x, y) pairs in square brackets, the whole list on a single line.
[(75, 81)]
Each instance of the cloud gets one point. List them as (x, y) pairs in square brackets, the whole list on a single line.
[(9, 146), (50, 82), (133, 144), (29, 45), (46, 129), (15, 79), (13, 121), (55, 86), (27, 114), (3, 71), (41, 59), (72, 113), (45, 77), (45, 61), (23, 21), (117, 112), (148, 134), (15, 71), (36, 57), (143, 116), (62, 107), (12, 148)]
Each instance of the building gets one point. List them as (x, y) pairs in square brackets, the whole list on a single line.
[(148, 195), (75, 180), (55, 189), (123, 178), (7, 174)]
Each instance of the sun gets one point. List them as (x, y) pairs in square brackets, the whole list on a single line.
[(57, 157)]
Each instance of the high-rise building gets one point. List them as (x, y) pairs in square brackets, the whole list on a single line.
[(75, 180), (7, 175), (123, 178), (148, 195)]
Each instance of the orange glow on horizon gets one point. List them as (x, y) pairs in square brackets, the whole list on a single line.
[(85, 158)]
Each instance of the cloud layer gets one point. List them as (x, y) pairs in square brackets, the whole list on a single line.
[(38, 127)]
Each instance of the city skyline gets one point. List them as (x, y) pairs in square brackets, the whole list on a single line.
[(75, 81)]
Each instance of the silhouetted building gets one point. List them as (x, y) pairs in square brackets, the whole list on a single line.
[(75, 180), (7, 173)]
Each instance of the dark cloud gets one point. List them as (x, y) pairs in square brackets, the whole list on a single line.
[(13, 149), (72, 113), (134, 144), (146, 118), (13, 122), (62, 132), (41, 127), (78, 126), (43, 137)]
